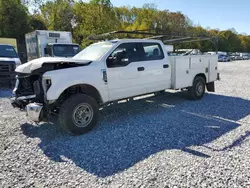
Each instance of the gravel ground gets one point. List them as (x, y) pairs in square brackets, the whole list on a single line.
[(164, 141)]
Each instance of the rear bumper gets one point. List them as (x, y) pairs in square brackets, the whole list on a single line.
[(35, 111)]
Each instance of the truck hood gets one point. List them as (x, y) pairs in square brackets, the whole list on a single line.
[(37, 63)]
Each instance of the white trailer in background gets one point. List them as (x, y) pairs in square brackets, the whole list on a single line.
[(42, 43)]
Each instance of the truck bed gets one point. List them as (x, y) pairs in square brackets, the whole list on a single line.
[(185, 68)]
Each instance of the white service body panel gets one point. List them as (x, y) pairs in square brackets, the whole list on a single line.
[(185, 68)]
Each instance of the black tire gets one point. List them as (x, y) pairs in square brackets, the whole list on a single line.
[(71, 115), (197, 91)]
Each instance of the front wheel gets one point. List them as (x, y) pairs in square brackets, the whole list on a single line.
[(197, 91), (79, 114)]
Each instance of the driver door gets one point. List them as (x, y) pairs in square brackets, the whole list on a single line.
[(125, 73)]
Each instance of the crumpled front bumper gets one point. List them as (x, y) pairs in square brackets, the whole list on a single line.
[(35, 111), (20, 102)]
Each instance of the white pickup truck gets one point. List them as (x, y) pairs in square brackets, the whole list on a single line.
[(9, 60), (105, 72)]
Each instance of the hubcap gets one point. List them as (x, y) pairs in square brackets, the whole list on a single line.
[(199, 89), (82, 115)]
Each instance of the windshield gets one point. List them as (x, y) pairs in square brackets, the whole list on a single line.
[(62, 50), (94, 51), (7, 51)]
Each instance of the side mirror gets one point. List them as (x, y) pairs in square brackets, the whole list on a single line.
[(45, 51), (110, 62)]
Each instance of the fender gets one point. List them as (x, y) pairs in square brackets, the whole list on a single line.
[(66, 78)]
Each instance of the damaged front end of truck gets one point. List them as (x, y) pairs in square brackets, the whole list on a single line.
[(31, 85), (28, 95)]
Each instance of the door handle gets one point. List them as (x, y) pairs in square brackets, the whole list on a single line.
[(140, 68), (165, 66)]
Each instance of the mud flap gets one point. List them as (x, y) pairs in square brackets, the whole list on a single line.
[(210, 87)]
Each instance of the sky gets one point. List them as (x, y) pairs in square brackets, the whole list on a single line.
[(220, 14)]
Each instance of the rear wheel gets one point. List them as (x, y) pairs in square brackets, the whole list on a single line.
[(79, 114), (197, 91)]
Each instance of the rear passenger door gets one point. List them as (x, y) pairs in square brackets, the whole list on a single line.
[(157, 67)]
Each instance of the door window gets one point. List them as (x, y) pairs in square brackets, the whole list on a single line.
[(123, 55), (151, 51)]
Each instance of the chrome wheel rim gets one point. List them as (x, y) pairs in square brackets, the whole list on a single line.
[(199, 89), (82, 115)]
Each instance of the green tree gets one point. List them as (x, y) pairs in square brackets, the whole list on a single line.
[(106, 3), (14, 19), (91, 18), (245, 43), (229, 41), (99, 16), (150, 18), (34, 5), (58, 14), (36, 22)]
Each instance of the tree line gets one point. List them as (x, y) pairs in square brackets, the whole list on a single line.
[(18, 17)]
